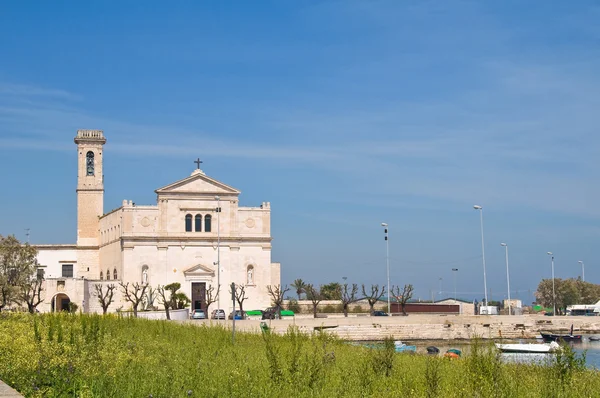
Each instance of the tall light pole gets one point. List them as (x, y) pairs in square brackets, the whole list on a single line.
[(582, 271), (218, 211), (454, 271), (387, 261), (507, 277), (553, 293), (477, 207), (440, 291)]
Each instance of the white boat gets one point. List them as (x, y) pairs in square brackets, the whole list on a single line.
[(542, 348)]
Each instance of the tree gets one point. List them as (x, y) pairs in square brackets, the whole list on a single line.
[(300, 287), (277, 293), (315, 296), (31, 293), (403, 296), (240, 296), (348, 297), (165, 299), (374, 296), (135, 295), (18, 265), (331, 291), (211, 296), (149, 299), (105, 297)]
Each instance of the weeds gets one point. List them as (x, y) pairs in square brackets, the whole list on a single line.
[(111, 356)]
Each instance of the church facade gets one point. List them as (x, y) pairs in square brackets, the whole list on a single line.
[(197, 234)]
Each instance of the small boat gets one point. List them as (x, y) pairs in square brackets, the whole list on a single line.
[(541, 348), (431, 350), (594, 338), (401, 347), (561, 337)]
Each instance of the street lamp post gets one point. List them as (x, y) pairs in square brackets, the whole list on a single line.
[(582, 271), (454, 271), (387, 261), (553, 293), (507, 277), (218, 211), (440, 291), (477, 207)]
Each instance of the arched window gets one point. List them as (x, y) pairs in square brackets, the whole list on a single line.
[(207, 224), (198, 223), (145, 275), (89, 163), (115, 274), (101, 275), (250, 275), (107, 275), (188, 223)]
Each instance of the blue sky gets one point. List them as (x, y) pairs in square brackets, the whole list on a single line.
[(342, 114)]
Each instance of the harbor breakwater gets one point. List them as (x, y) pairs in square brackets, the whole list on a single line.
[(426, 327)]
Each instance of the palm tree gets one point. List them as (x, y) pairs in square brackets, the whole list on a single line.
[(300, 287)]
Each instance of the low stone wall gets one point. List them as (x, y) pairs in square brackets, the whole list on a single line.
[(176, 315), (431, 327)]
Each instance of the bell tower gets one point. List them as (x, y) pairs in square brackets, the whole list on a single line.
[(90, 186)]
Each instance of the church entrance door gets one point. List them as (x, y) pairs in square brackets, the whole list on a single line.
[(199, 296)]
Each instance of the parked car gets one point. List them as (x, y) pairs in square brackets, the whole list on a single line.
[(198, 314), (238, 315), (380, 313), (270, 313), (218, 314)]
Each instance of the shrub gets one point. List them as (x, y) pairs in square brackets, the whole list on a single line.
[(294, 306)]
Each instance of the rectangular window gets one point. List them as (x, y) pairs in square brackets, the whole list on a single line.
[(40, 273), (67, 270)]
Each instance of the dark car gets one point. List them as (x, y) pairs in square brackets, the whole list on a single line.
[(238, 315), (380, 313), (270, 313)]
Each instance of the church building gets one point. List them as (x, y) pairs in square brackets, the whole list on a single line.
[(196, 234)]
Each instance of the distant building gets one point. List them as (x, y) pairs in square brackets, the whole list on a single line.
[(584, 309), (464, 307)]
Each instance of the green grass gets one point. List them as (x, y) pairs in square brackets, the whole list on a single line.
[(95, 356)]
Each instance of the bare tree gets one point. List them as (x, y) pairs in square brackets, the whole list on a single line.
[(240, 297), (165, 299), (403, 296), (348, 297), (277, 294), (105, 298), (31, 293), (374, 296), (135, 295), (315, 296), (149, 299), (211, 296)]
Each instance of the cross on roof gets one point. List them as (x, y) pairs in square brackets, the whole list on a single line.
[(198, 161)]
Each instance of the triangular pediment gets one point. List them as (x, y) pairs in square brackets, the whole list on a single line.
[(198, 183), (198, 270)]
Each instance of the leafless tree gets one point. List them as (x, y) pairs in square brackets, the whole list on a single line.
[(164, 296), (348, 297), (374, 296), (134, 295), (211, 297), (105, 298), (314, 295), (277, 293), (31, 293), (240, 297), (403, 296)]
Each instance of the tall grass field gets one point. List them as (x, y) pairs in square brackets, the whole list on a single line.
[(63, 355)]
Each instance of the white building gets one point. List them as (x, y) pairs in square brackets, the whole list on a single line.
[(196, 225)]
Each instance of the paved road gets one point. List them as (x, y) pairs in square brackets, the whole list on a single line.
[(7, 392)]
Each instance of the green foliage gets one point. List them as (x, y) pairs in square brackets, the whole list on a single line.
[(294, 306), (331, 291), (568, 292), (56, 355)]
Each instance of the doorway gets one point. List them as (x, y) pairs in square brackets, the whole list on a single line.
[(199, 296)]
